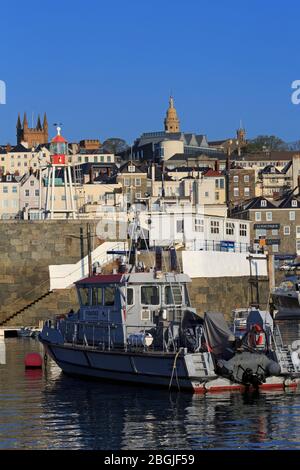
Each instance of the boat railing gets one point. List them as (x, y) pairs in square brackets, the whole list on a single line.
[(109, 335)]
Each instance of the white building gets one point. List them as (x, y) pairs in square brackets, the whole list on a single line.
[(196, 230)]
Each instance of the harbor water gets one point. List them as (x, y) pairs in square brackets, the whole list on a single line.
[(44, 409)]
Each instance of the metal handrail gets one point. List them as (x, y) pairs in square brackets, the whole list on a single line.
[(71, 330)]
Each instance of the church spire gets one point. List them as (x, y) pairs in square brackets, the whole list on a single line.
[(25, 122), (45, 122), (19, 125), (39, 125), (171, 121)]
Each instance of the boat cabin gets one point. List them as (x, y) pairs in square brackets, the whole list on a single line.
[(132, 301)]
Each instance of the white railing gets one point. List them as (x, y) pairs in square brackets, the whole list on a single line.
[(64, 275)]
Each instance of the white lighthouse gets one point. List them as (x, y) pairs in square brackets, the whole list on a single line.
[(59, 161)]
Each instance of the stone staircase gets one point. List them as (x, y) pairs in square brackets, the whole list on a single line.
[(44, 307)]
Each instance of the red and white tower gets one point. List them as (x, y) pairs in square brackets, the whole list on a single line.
[(59, 161)]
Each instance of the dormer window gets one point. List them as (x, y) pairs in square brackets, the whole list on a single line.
[(263, 203), (131, 168), (294, 203)]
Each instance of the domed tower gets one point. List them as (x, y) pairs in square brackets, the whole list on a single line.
[(171, 120), (241, 134)]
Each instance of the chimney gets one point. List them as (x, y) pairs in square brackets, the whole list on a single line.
[(8, 147)]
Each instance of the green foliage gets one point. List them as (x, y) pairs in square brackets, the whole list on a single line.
[(265, 143)]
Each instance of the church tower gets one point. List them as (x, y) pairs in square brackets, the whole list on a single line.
[(171, 120), (241, 134), (32, 136)]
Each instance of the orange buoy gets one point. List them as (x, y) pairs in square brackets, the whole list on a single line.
[(33, 361)]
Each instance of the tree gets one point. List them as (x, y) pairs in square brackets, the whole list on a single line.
[(114, 145), (266, 143)]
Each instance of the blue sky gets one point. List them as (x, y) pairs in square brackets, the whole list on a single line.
[(105, 69)]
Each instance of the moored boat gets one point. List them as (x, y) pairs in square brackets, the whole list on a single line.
[(138, 326)]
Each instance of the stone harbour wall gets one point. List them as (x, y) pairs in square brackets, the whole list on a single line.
[(29, 247)]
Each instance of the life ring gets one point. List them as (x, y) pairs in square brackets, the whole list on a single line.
[(257, 337)]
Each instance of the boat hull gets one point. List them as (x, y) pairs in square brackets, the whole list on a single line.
[(286, 304), (158, 370)]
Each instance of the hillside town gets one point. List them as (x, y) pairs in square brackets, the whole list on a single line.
[(238, 198)]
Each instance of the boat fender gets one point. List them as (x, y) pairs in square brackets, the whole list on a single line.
[(273, 368)]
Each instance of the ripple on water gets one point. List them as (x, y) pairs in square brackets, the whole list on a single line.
[(53, 411)]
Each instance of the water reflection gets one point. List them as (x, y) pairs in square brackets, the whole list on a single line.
[(48, 410)]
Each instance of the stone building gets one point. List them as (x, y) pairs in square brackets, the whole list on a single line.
[(134, 180), (275, 223), (240, 185), (32, 137)]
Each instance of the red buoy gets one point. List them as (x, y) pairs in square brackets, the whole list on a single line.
[(33, 361)]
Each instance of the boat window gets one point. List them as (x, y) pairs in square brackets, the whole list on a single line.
[(129, 296), (173, 295), (149, 295), (84, 295), (97, 296), (109, 296)]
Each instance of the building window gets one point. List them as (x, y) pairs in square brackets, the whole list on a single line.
[(286, 230), (138, 181), (292, 215), (31, 183), (217, 183), (214, 226), (27, 192), (138, 195), (246, 192), (235, 179), (37, 192), (229, 228), (217, 196), (180, 226), (275, 248), (5, 189), (222, 185), (14, 189), (274, 232), (243, 230), (199, 225), (126, 182), (206, 194), (294, 203), (257, 216), (298, 231), (260, 232), (236, 192), (269, 216), (246, 178), (263, 203)]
